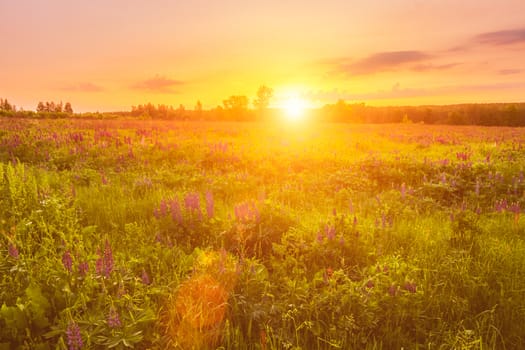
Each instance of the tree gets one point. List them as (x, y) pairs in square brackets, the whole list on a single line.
[(264, 94), (236, 103), (198, 107), (67, 108), (40, 107), (5, 105)]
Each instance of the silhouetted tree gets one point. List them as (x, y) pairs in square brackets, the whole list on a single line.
[(67, 108), (6, 106), (264, 94), (236, 103)]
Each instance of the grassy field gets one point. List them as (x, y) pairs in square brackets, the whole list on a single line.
[(154, 235)]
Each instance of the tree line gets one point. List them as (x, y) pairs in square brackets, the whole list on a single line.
[(43, 109), (240, 108)]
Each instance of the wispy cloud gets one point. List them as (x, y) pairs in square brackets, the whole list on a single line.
[(383, 61), (412, 60), (398, 92), (82, 87), (501, 37), (510, 71), (158, 84)]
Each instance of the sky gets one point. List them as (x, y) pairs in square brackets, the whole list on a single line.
[(105, 55)]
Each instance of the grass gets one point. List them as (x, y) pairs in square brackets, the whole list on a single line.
[(254, 236)]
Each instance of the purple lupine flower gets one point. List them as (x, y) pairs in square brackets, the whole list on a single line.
[(355, 222), (99, 264), (145, 277), (104, 179), (83, 268), (74, 339), (67, 261), (113, 318), (320, 237), (108, 259), (176, 213), (13, 251), (477, 187), (403, 190), (514, 208), (350, 206), (209, 204), (392, 290), (410, 287), (191, 201), (163, 208), (369, 284), (330, 232)]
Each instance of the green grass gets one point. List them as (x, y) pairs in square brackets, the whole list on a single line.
[(323, 237)]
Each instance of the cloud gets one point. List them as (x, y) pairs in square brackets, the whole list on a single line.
[(387, 61), (501, 37), (397, 92), (429, 67), (509, 71), (384, 61), (158, 84), (82, 87)]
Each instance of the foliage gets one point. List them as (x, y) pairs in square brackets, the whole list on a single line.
[(160, 234)]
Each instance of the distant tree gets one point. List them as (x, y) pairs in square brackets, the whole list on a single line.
[(59, 107), (264, 94), (236, 103), (67, 108), (6, 106), (198, 107), (40, 107)]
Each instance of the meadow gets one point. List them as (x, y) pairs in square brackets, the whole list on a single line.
[(217, 235)]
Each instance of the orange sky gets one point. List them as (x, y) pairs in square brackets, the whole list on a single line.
[(108, 55)]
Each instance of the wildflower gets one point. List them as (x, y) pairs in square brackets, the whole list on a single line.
[(392, 290), (176, 213), (113, 318), (319, 237), (410, 287), (403, 190), (67, 261), (13, 251), (83, 268), (369, 284), (74, 339), (163, 208), (145, 277), (209, 204), (108, 259), (99, 264), (330, 232)]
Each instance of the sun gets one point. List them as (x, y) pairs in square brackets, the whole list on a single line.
[(294, 108)]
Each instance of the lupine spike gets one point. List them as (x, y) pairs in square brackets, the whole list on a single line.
[(74, 338)]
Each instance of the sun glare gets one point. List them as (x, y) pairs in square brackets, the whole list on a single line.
[(294, 108)]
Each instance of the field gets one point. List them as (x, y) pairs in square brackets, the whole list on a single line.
[(156, 234)]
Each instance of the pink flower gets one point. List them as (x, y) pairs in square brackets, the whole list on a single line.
[(67, 261), (113, 318), (13, 251), (74, 339)]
